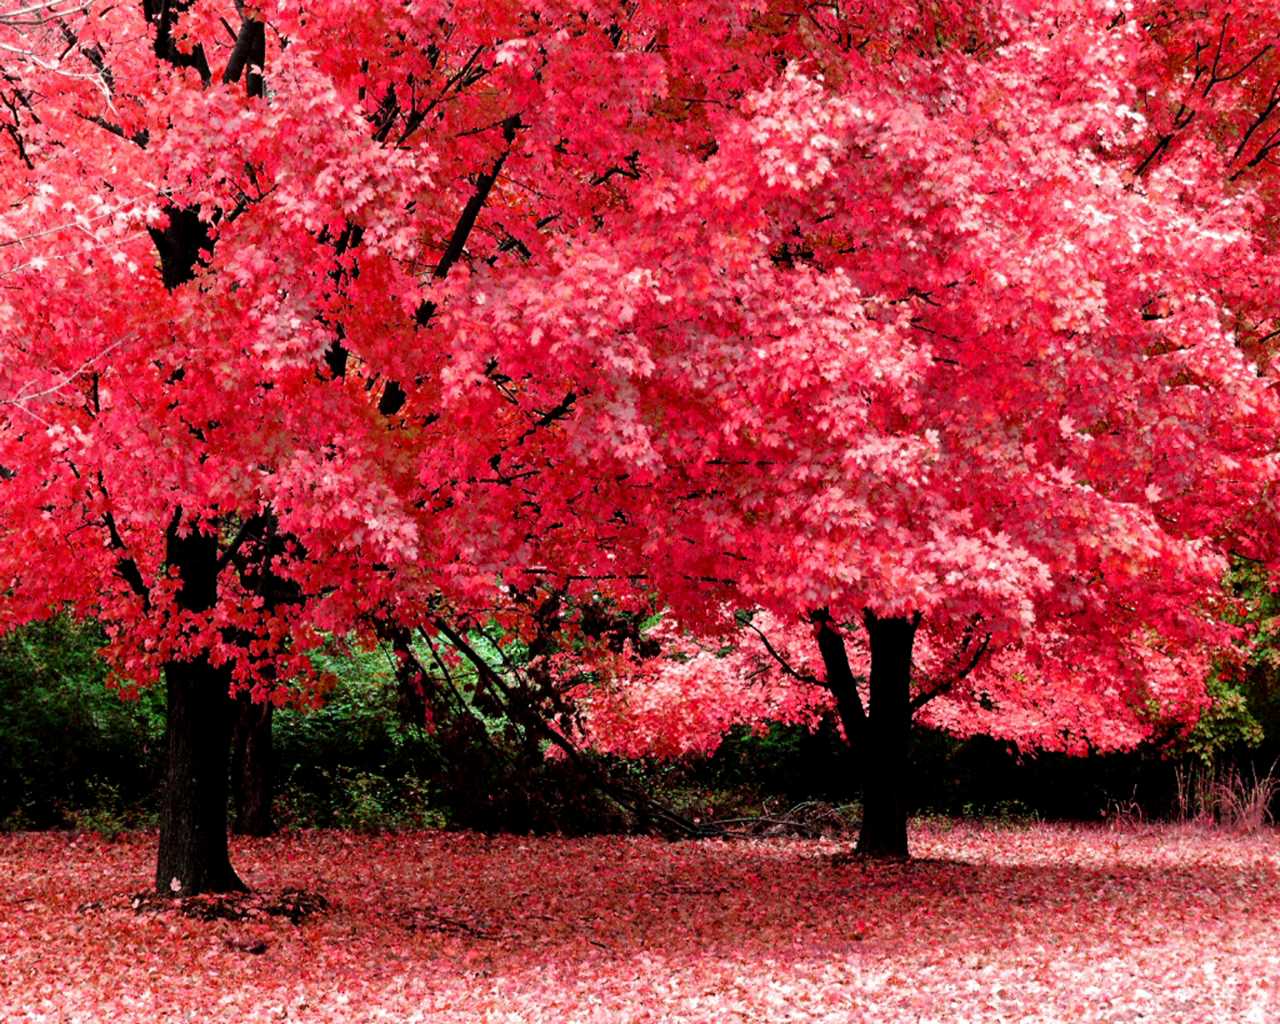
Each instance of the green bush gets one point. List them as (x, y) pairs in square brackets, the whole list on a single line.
[(1228, 725), (75, 754), (72, 753), (354, 763), (361, 801)]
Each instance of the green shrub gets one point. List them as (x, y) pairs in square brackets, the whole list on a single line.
[(69, 747)]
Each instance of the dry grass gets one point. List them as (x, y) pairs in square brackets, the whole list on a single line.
[(1226, 798)]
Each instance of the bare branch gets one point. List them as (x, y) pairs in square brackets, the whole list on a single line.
[(787, 667), (840, 678), (939, 688)]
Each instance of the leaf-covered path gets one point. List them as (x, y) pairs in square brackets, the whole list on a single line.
[(1043, 924)]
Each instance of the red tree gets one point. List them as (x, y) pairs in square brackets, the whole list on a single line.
[(937, 318), (954, 332), (233, 417)]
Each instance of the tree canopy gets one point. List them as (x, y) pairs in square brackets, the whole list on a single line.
[(947, 320)]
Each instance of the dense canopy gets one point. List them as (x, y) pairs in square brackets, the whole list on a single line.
[(942, 317)]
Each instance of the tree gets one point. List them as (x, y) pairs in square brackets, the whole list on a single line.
[(948, 344), (936, 324), (227, 242)]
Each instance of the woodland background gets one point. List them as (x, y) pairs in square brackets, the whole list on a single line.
[(75, 754)]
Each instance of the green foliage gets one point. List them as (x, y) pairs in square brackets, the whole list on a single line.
[(360, 801), (1229, 723), (752, 773), (1243, 722), (71, 751), (1011, 813), (75, 754), (354, 763), (105, 811)]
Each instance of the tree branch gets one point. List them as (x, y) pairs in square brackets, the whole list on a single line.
[(672, 822), (938, 689), (467, 220), (163, 14), (253, 525), (126, 566), (803, 677), (840, 678), (250, 51)]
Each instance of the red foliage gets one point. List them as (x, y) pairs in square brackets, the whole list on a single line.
[(687, 699), (951, 310), (1042, 924)]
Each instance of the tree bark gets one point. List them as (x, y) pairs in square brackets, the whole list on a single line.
[(885, 739), (252, 768), (841, 681), (193, 856)]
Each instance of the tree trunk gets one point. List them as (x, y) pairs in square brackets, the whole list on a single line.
[(252, 768), (885, 738), (193, 854)]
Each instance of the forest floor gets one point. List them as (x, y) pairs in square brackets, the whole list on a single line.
[(1042, 923)]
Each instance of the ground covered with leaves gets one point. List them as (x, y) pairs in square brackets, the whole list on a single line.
[(1049, 923)]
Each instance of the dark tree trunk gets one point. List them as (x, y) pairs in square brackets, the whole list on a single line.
[(842, 684), (193, 855), (193, 824), (885, 738), (252, 768)]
